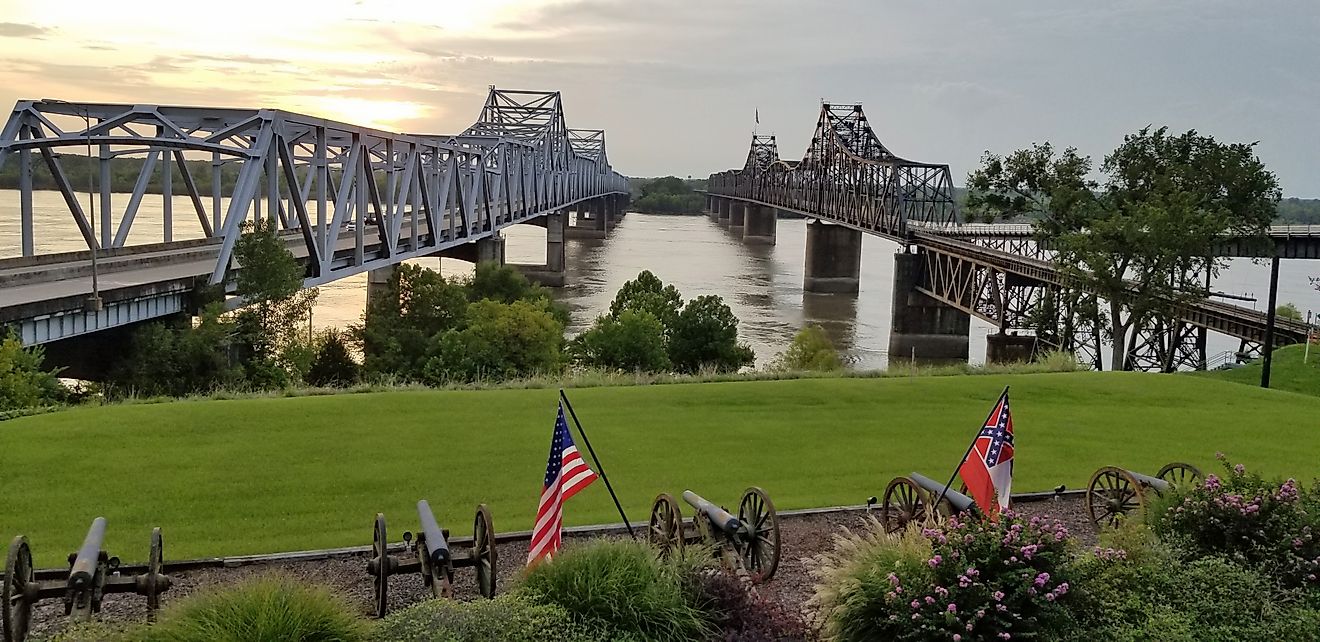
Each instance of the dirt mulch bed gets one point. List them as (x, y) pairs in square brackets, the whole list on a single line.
[(803, 537)]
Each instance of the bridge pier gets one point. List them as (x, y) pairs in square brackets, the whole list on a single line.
[(552, 273), (592, 220), (378, 281), (726, 208), (834, 259), (760, 225), (921, 327), (738, 217), (1009, 348)]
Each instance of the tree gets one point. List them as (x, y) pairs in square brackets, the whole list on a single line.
[(500, 341), (668, 195), (180, 358), (402, 322), (631, 341), (23, 382), (1288, 311), (276, 309), (647, 293), (1140, 239), (705, 334), (810, 351), (505, 284), (333, 365)]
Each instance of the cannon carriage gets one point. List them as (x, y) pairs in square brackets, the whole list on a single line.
[(429, 555), (1114, 492), (92, 575), (912, 498), (747, 544)]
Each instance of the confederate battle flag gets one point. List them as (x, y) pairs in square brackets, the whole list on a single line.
[(988, 468)]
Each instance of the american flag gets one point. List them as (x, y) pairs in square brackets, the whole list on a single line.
[(988, 467), (566, 473)]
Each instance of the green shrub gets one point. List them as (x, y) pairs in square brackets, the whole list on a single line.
[(507, 618), (961, 579), (1261, 524), (267, 609), (705, 335), (631, 341), (1138, 589), (333, 365), (810, 351), (619, 588), (23, 382)]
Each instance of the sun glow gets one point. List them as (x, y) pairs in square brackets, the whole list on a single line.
[(368, 112)]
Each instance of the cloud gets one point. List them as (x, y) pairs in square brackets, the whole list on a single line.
[(20, 30)]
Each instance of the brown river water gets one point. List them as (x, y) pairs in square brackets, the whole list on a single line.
[(762, 284)]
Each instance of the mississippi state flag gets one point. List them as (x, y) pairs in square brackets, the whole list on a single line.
[(988, 468), (565, 474)]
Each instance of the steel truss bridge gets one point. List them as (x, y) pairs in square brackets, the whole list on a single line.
[(347, 198), (998, 273)]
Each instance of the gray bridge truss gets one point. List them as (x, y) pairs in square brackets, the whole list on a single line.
[(347, 198), (998, 273)]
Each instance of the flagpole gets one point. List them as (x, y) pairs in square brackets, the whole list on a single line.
[(600, 468), (969, 449)]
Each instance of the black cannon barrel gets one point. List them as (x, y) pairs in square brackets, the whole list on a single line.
[(720, 517), (436, 547), (89, 555), (960, 502)]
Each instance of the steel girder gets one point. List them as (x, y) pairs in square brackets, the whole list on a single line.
[(1012, 288), (359, 197), (847, 176)]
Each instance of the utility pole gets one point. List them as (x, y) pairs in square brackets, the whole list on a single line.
[(1269, 323)]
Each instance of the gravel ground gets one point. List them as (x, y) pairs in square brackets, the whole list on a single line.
[(803, 537)]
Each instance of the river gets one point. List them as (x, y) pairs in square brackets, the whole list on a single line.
[(762, 284)]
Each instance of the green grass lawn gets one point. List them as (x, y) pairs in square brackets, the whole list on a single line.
[(1291, 370), (264, 475)]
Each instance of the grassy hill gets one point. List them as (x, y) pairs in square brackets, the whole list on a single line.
[(1290, 371), (263, 475)]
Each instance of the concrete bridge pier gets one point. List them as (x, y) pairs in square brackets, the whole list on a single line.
[(922, 328), (726, 208), (378, 281), (760, 225), (834, 259), (592, 221), (1009, 348), (552, 273), (738, 217)]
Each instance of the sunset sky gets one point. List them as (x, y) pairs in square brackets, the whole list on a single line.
[(676, 83)]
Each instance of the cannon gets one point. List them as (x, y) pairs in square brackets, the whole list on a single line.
[(430, 556), (92, 575), (911, 498), (747, 544), (1115, 492)]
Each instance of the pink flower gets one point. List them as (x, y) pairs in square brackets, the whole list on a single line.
[(953, 608), (957, 637), (999, 596), (935, 561)]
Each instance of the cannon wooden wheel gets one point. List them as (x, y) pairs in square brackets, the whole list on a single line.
[(904, 501), (1179, 474), (760, 548), (155, 571), (16, 610), (666, 526), (483, 551), (381, 579), (1113, 493)]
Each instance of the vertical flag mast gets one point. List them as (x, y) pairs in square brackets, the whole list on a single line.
[(969, 448), (600, 468)]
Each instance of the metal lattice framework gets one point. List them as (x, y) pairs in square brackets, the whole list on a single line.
[(358, 197), (846, 176)]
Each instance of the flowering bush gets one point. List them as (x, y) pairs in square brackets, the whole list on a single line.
[(963, 580), (1133, 587), (1267, 525)]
